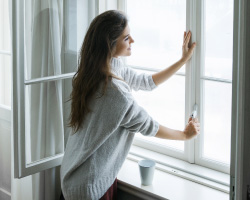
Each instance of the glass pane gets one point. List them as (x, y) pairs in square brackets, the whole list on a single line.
[(166, 104), (219, 38), (4, 26), (157, 27), (5, 80), (217, 121), (50, 38), (46, 115)]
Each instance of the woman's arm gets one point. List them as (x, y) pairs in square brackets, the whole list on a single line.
[(192, 129), (187, 53), (165, 74), (138, 81)]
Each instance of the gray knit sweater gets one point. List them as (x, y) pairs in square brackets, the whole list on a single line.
[(95, 154)]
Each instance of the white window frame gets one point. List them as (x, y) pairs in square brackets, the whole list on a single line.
[(21, 168), (200, 59), (185, 155), (193, 91)]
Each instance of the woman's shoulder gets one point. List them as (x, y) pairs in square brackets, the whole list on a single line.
[(116, 97), (118, 90)]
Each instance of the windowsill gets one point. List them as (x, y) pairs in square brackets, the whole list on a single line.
[(170, 183)]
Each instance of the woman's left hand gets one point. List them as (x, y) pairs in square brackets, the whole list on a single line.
[(186, 51), (192, 129)]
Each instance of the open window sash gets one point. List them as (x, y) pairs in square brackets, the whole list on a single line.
[(44, 44)]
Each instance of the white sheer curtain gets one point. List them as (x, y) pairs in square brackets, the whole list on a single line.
[(43, 53)]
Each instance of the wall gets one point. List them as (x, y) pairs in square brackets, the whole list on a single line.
[(5, 153), (10, 188)]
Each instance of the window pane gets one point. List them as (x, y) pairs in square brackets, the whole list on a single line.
[(217, 121), (5, 80), (219, 38), (157, 27), (45, 124), (166, 104), (50, 38), (4, 26)]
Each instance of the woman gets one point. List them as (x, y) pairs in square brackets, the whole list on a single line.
[(104, 115)]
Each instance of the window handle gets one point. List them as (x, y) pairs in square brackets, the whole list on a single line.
[(194, 113)]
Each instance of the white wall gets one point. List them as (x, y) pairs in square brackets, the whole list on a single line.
[(10, 188), (5, 153)]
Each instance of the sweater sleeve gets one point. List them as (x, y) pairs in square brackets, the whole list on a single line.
[(138, 81), (136, 119)]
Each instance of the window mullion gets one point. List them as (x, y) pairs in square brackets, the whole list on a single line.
[(190, 90), (199, 71), (2, 52), (49, 78)]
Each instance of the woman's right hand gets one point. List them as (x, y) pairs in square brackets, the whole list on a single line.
[(187, 52), (192, 129)]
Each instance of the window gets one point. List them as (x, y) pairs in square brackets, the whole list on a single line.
[(44, 61), (207, 75), (216, 80), (157, 27), (167, 103)]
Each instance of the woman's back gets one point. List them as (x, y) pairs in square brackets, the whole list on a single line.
[(95, 154)]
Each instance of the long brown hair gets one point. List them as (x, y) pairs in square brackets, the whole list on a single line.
[(94, 63)]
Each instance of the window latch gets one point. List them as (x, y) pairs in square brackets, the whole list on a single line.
[(194, 113)]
